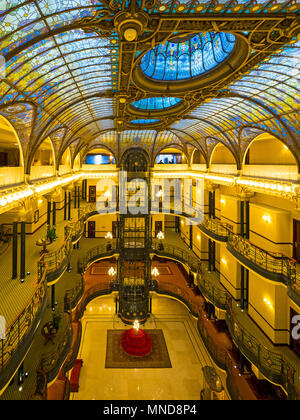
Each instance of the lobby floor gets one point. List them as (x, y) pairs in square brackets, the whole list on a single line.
[(188, 355)]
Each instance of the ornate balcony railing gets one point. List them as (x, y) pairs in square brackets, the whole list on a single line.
[(58, 261), (73, 296), (217, 353), (179, 254), (75, 230), (180, 293), (19, 332), (275, 266), (93, 292), (215, 229), (272, 365), (87, 211), (94, 254), (52, 361), (217, 295)]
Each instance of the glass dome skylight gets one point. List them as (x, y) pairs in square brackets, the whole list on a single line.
[(189, 57), (157, 103), (152, 121)]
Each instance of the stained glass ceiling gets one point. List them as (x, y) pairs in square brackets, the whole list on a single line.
[(64, 82), (180, 60)]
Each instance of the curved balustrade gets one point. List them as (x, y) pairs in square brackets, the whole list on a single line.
[(214, 229), (177, 253), (19, 333), (272, 365), (75, 230), (216, 295), (73, 296), (179, 293), (87, 211), (94, 254), (92, 293), (275, 266), (217, 353), (58, 261), (51, 362)]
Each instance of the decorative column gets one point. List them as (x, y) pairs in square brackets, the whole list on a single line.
[(69, 205), (75, 197), (54, 214), (65, 205), (78, 197), (15, 251), (23, 250), (53, 297), (49, 213)]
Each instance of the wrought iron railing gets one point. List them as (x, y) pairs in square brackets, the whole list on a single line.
[(179, 292), (271, 262), (72, 296), (216, 294), (19, 330), (100, 289), (178, 253), (93, 254), (51, 362), (217, 353), (272, 364), (84, 212), (74, 229), (218, 229)]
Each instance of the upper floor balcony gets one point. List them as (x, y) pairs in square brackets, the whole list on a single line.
[(18, 335)]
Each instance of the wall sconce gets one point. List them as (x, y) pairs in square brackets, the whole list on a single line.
[(223, 201), (267, 218), (198, 237), (108, 236), (224, 261), (268, 303)]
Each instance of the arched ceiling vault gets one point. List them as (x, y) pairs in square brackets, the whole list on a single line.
[(72, 71)]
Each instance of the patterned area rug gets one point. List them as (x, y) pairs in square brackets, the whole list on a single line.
[(118, 359)]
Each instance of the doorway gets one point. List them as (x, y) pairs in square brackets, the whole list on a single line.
[(92, 194), (92, 229), (296, 242), (115, 229)]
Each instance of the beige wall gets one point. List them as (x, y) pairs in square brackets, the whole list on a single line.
[(264, 297), (230, 275), (230, 211), (271, 228)]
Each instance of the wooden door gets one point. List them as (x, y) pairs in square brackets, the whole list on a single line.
[(158, 228), (92, 194), (92, 229), (297, 240), (295, 342), (115, 229)]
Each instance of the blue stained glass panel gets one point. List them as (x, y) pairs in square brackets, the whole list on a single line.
[(181, 59)]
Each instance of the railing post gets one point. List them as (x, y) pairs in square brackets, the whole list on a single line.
[(15, 251), (23, 250)]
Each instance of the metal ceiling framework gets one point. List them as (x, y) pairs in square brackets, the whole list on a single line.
[(73, 72)]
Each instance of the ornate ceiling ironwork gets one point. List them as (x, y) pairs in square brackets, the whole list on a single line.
[(75, 65)]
